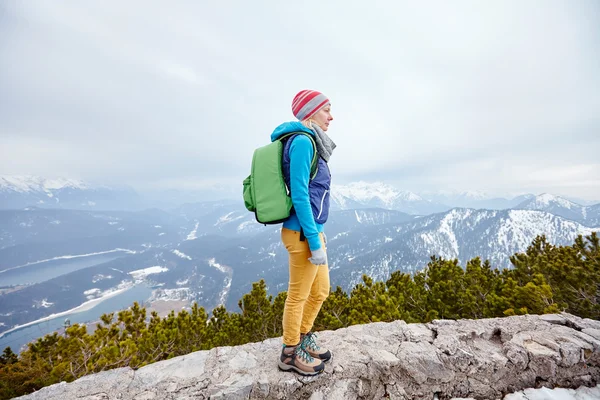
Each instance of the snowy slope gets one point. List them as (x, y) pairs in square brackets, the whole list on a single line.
[(30, 183), (459, 233), (18, 192), (587, 215)]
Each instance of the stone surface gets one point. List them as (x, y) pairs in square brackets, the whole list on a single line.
[(479, 359)]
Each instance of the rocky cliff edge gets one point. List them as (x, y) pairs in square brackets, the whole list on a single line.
[(444, 359)]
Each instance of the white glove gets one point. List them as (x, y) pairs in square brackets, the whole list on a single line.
[(319, 257)]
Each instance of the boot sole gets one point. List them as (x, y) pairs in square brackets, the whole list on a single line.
[(288, 367)]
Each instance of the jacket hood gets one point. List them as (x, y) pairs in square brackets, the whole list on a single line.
[(287, 127)]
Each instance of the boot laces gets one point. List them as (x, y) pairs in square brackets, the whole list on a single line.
[(309, 341)]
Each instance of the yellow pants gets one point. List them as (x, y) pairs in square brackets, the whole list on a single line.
[(308, 288)]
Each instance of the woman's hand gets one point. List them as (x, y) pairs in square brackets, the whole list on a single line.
[(319, 257)]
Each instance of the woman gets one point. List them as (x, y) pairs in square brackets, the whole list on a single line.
[(302, 233)]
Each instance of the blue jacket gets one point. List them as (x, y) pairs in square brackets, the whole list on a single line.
[(310, 198)]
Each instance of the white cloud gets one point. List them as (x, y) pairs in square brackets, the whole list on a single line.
[(449, 95), (182, 72)]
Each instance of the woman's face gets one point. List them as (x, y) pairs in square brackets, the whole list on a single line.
[(323, 117)]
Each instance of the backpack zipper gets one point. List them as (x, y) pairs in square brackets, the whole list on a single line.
[(322, 201)]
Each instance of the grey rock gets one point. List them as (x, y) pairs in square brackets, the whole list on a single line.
[(418, 333), (479, 359)]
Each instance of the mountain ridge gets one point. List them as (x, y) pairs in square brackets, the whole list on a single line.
[(557, 205), (375, 242), (17, 192)]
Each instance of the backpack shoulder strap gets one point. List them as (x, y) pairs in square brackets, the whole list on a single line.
[(314, 162)]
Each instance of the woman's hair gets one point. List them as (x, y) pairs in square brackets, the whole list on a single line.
[(308, 123)]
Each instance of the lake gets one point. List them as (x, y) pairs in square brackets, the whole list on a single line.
[(20, 337), (44, 271)]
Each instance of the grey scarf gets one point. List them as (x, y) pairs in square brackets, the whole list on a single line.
[(324, 143)]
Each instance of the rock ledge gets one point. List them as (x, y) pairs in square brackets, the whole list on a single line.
[(481, 359)]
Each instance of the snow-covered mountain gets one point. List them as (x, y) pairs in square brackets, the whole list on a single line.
[(475, 199), (211, 253), (17, 192), (587, 215), (379, 249), (378, 194), (459, 233), (30, 183)]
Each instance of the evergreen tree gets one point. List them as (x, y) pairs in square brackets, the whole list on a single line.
[(257, 313), (334, 311), (8, 357)]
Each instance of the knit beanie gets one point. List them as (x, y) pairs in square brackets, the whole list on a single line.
[(307, 102)]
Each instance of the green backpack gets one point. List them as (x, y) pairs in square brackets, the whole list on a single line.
[(265, 191)]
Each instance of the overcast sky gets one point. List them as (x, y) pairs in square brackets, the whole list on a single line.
[(495, 96)]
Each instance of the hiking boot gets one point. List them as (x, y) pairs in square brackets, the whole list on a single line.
[(316, 351), (297, 359)]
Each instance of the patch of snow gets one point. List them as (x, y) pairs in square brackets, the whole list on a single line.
[(339, 235), (92, 293), (223, 269), (229, 272), (96, 293), (181, 283), (192, 234), (388, 239), (227, 218), (225, 291), (446, 229), (358, 219), (543, 393), (182, 255), (45, 303), (143, 273), (246, 225), (100, 277)]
